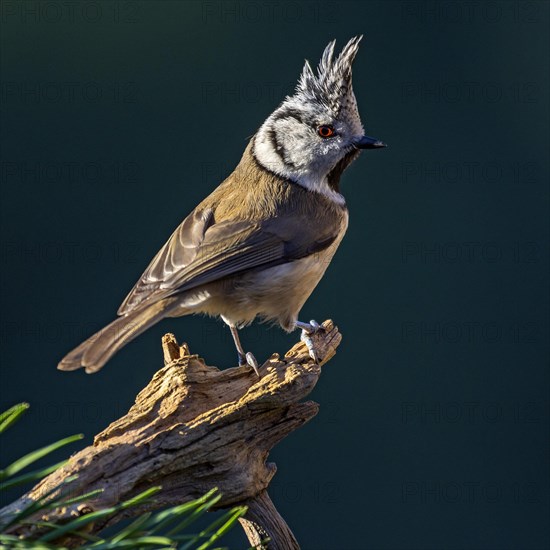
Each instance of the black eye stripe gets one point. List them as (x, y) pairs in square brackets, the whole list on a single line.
[(289, 113)]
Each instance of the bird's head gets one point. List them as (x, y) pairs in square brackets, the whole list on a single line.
[(317, 132)]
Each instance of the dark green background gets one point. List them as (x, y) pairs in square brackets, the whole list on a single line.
[(118, 118)]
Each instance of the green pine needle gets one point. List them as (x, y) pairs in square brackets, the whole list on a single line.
[(10, 416), (158, 531), (28, 459), (31, 476)]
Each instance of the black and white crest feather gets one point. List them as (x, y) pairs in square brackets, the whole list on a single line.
[(331, 86)]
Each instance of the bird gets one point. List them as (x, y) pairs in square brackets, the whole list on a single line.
[(259, 244)]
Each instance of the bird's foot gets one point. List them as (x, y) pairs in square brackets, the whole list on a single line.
[(250, 360), (307, 330)]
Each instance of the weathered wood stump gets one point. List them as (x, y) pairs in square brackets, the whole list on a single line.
[(195, 427)]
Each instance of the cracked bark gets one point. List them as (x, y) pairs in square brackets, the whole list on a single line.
[(194, 427)]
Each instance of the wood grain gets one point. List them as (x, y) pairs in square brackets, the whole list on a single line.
[(192, 428)]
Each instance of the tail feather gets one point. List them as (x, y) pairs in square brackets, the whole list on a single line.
[(94, 352)]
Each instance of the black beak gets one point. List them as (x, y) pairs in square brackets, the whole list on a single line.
[(367, 142)]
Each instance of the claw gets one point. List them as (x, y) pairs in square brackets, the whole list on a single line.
[(306, 339), (244, 358), (251, 361), (314, 325), (310, 328), (307, 330)]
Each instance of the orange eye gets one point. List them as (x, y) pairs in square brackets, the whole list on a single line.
[(325, 131)]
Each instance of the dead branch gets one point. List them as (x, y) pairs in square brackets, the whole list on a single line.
[(192, 428)]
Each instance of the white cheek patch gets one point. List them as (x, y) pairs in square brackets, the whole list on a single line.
[(267, 156), (271, 160)]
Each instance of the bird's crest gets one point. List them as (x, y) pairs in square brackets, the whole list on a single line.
[(331, 86)]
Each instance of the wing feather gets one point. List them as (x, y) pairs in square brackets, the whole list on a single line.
[(201, 251)]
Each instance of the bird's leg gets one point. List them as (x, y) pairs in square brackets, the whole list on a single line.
[(307, 330), (240, 351), (244, 358)]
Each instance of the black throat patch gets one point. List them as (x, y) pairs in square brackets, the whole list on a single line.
[(333, 177)]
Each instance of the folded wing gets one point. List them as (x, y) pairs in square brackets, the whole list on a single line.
[(201, 251)]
